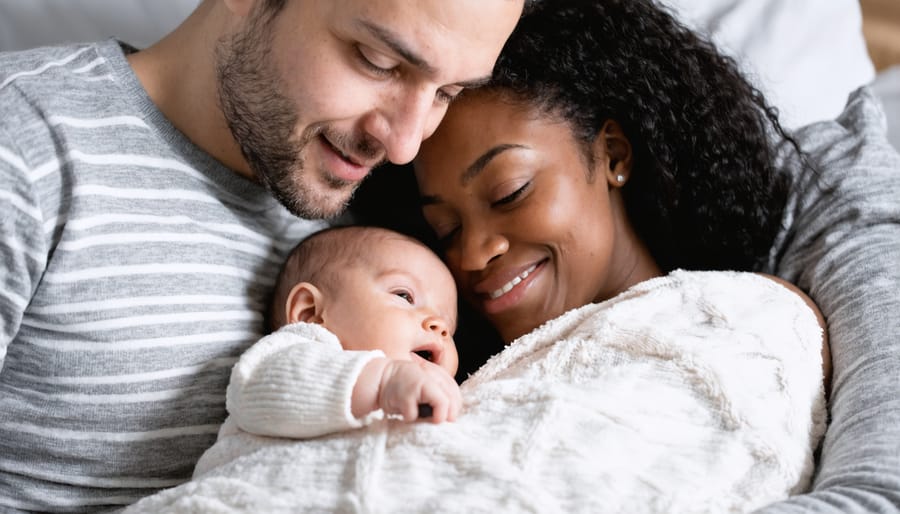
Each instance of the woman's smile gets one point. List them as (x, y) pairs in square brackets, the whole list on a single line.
[(511, 293)]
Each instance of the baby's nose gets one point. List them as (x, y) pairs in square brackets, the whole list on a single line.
[(437, 325)]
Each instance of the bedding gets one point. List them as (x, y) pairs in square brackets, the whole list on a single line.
[(806, 55), (676, 396)]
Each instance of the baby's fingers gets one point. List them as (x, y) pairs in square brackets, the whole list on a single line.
[(444, 399)]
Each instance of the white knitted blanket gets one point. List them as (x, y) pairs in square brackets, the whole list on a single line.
[(695, 392)]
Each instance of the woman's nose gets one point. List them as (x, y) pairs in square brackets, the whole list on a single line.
[(477, 249), (437, 325)]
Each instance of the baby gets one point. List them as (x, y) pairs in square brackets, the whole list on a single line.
[(362, 323)]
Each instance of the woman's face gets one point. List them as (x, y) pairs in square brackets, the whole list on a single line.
[(529, 228)]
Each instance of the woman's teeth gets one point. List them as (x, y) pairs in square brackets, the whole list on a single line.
[(512, 283)]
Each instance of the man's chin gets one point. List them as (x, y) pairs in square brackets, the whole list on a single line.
[(319, 204)]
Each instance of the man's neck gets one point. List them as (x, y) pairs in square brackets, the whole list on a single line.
[(178, 73)]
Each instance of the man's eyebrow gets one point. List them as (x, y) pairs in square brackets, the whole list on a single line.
[(473, 170), (393, 42)]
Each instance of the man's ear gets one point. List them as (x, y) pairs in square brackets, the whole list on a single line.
[(304, 303), (612, 151)]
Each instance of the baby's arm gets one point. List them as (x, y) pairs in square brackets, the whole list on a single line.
[(296, 382), (399, 387)]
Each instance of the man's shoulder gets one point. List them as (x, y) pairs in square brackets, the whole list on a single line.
[(41, 85), (45, 75)]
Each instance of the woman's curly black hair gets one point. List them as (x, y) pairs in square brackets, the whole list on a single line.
[(703, 192)]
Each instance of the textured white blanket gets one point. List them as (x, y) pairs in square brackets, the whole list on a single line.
[(695, 392)]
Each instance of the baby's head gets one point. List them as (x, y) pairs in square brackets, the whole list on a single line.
[(374, 289)]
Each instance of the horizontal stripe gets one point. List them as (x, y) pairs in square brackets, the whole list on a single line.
[(117, 437), (14, 160), (19, 302), (100, 78), (16, 246), (196, 400), (145, 194), (144, 320), (101, 482), (133, 378), (117, 239), (25, 208), (149, 219), (132, 302), (68, 502), (51, 224), (111, 121), (43, 68), (51, 166), (173, 268), (225, 336), (90, 66)]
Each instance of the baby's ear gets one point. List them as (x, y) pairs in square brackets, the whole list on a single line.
[(304, 303)]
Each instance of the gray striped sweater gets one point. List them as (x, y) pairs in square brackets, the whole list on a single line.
[(135, 270)]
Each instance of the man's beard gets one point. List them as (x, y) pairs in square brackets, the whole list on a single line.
[(262, 121)]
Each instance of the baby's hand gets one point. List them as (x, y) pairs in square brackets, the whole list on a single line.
[(398, 387)]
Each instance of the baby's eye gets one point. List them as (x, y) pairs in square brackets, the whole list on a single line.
[(406, 295)]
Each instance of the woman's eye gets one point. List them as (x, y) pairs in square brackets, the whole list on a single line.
[(444, 236), (406, 295), (512, 197)]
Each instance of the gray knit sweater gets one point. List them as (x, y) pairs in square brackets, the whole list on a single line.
[(841, 244)]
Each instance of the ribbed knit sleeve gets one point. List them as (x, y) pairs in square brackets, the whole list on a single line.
[(842, 245), (297, 383)]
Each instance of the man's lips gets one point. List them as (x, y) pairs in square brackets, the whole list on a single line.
[(346, 165)]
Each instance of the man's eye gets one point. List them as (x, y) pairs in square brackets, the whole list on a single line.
[(406, 295), (445, 96), (374, 61)]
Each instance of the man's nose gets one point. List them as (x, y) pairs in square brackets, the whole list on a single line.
[(403, 122)]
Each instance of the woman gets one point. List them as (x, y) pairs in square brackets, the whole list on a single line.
[(674, 166)]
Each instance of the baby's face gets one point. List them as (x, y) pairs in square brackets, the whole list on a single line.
[(401, 300)]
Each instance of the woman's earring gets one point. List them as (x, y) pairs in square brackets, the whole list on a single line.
[(620, 179)]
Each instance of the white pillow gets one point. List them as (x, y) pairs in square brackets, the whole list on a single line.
[(30, 23), (806, 55)]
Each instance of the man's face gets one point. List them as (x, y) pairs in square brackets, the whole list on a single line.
[(321, 91)]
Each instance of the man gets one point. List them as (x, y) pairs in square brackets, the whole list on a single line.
[(139, 238)]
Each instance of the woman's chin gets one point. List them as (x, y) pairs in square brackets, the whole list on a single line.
[(512, 331)]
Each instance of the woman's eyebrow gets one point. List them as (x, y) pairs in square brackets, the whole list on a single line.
[(473, 170), (480, 163)]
